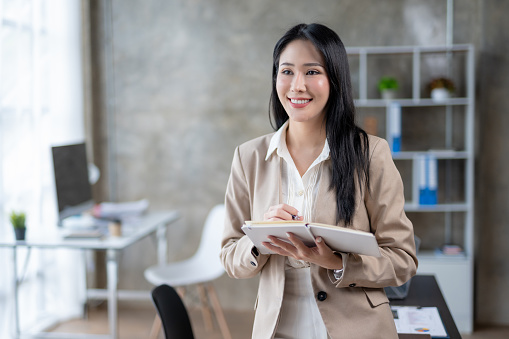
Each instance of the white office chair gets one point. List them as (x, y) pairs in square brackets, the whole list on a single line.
[(200, 270)]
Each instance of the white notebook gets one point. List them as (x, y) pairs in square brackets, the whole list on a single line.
[(337, 238)]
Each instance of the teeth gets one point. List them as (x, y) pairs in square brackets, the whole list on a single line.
[(300, 101)]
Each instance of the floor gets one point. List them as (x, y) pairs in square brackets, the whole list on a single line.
[(135, 322)]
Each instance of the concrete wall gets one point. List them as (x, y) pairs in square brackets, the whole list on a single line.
[(492, 166), (178, 84)]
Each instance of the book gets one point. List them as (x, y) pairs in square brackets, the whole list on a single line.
[(427, 169), (394, 126), (84, 234), (337, 238), (414, 319)]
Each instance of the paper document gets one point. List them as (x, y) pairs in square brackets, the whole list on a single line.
[(121, 210), (413, 319)]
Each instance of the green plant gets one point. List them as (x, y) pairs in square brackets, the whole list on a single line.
[(442, 83), (18, 219), (386, 83)]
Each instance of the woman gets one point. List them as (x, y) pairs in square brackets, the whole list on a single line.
[(318, 167)]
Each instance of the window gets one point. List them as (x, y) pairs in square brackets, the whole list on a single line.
[(41, 105)]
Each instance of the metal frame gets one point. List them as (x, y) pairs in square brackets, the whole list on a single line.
[(431, 262), (151, 223)]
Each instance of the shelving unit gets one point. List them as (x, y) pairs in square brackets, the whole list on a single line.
[(416, 65)]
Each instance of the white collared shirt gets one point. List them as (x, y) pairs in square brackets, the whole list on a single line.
[(299, 192), (300, 317)]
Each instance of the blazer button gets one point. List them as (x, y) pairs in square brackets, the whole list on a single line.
[(352, 285), (322, 296), (253, 263)]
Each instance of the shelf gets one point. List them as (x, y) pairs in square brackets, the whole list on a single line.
[(438, 154), (408, 49), (411, 102), (457, 207), (431, 255), (417, 64)]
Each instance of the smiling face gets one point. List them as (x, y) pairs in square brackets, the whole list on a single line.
[(302, 84)]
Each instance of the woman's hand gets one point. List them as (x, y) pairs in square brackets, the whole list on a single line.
[(282, 212), (320, 255)]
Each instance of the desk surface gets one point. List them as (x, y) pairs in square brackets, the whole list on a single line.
[(130, 234), (424, 291)]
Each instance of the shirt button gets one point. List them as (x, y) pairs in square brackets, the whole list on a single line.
[(322, 295), (300, 193), (352, 285)]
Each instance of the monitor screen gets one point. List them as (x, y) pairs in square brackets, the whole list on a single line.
[(73, 188)]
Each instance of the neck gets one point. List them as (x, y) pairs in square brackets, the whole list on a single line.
[(305, 136)]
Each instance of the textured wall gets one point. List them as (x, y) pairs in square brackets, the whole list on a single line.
[(191, 81), (493, 167)]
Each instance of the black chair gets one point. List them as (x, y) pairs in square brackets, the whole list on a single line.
[(172, 312)]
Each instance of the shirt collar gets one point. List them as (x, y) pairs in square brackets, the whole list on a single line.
[(278, 142), (275, 141)]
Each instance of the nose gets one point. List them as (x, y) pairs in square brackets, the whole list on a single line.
[(298, 83)]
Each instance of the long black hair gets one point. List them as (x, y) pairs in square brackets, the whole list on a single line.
[(348, 143)]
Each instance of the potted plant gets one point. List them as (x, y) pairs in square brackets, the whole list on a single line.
[(388, 87), (441, 89), (18, 222)]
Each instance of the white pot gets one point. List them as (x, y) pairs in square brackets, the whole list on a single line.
[(388, 94), (440, 94)]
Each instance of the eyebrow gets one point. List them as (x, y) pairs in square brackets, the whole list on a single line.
[(307, 65)]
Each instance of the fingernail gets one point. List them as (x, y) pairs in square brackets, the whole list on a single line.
[(288, 235), (319, 239)]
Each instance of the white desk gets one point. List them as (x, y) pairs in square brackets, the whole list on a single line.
[(149, 223)]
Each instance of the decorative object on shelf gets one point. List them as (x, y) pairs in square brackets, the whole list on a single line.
[(441, 89), (394, 126), (450, 250), (18, 222), (388, 87), (427, 169)]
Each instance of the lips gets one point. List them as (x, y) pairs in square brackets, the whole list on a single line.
[(299, 102)]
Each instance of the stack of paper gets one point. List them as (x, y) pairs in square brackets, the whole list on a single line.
[(413, 319)]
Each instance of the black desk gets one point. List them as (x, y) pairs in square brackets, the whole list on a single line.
[(424, 291)]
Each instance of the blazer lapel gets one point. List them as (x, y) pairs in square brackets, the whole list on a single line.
[(325, 204)]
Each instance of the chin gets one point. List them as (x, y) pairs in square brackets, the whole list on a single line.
[(296, 117)]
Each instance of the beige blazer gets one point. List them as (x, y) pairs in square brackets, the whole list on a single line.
[(354, 306)]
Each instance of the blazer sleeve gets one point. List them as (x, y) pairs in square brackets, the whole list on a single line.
[(238, 254), (390, 225)]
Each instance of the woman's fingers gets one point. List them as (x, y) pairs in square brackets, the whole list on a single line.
[(322, 246), (285, 245), (297, 243), (294, 248), (278, 246), (281, 212), (320, 254)]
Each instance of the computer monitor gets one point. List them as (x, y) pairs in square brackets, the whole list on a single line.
[(73, 188)]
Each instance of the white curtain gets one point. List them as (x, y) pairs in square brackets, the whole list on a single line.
[(41, 105)]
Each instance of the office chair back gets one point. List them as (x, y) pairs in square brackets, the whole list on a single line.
[(210, 242), (173, 313)]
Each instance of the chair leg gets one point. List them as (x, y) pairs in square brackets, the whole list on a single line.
[(207, 317), (181, 291), (218, 311), (156, 328)]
